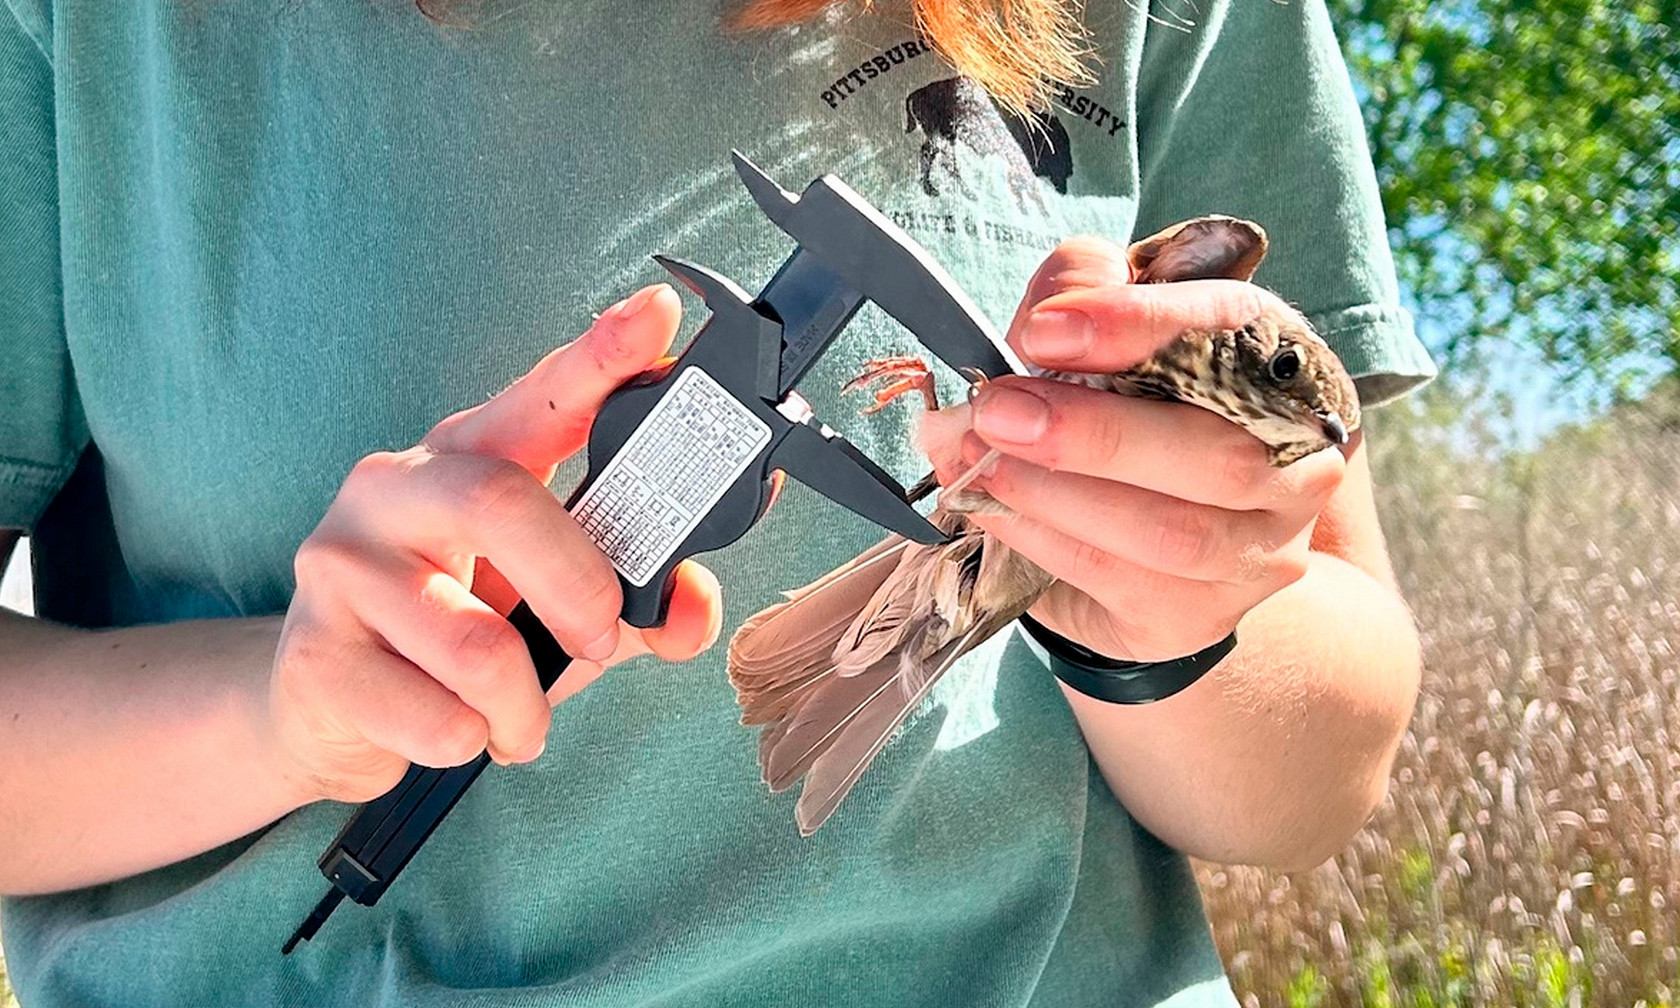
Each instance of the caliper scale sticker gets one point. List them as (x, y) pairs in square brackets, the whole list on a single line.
[(684, 455)]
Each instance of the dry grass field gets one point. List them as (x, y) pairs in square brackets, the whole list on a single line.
[(1529, 852)]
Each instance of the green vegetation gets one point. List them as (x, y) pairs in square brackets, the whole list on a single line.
[(1307, 989), (1529, 157), (1529, 853)]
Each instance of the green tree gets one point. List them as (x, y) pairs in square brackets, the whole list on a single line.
[(1529, 158)]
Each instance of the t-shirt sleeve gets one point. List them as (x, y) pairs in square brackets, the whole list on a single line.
[(42, 432), (1250, 112)]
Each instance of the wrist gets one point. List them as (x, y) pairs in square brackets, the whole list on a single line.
[(282, 772)]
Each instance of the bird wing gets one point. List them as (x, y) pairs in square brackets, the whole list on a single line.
[(833, 672), (780, 650), (841, 730)]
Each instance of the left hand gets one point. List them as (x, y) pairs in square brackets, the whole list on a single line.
[(1164, 522)]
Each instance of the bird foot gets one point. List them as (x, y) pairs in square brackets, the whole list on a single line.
[(896, 376), (902, 375)]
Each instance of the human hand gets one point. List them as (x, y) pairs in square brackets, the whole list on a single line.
[(395, 649), (1163, 522)]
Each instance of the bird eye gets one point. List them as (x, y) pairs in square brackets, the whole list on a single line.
[(1285, 365)]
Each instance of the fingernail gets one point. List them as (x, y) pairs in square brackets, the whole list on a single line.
[(639, 300), (632, 304), (1058, 335), (1007, 414), (602, 647)]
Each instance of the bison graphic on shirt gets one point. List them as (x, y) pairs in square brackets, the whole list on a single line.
[(957, 110)]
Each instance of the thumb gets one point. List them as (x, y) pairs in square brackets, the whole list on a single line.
[(544, 417), (1073, 265)]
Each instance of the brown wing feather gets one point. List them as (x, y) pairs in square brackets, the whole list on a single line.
[(781, 649), (865, 710), (922, 588), (823, 710), (828, 718)]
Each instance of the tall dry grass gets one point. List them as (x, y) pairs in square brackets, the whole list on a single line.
[(1529, 850)]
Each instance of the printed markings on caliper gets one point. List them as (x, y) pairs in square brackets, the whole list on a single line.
[(681, 459)]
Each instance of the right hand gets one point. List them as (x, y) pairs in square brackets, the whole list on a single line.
[(395, 649)]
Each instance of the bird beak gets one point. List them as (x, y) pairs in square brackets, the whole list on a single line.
[(1334, 429)]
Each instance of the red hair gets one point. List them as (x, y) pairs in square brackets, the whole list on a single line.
[(1016, 49)]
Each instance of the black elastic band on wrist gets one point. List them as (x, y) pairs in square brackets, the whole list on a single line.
[(1123, 682)]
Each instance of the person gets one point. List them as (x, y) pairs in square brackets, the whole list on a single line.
[(266, 265)]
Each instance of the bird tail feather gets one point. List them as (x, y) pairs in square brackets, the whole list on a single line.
[(834, 671)]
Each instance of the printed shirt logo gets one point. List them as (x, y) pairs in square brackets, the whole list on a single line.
[(958, 111), (956, 114), (884, 62)]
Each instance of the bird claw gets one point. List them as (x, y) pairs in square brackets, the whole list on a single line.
[(900, 375)]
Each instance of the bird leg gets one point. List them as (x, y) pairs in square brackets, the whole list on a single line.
[(911, 374), (899, 375)]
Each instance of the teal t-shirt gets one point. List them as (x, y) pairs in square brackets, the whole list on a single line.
[(245, 242)]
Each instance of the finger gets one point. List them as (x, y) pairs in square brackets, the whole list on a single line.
[(382, 699), (580, 674), (443, 506), (1102, 330), (431, 619), (695, 617), (544, 417), (1079, 262), (692, 625), (401, 709), (1154, 615), (1172, 448), (1197, 542)]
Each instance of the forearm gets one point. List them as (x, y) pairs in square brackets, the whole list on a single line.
[(129, 749), (1279, 755)]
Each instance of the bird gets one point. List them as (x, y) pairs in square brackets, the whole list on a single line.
[(829, 673)]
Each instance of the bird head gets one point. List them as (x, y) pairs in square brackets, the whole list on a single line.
[(1273, 376)]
